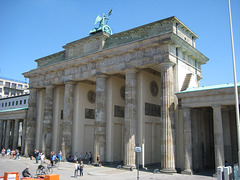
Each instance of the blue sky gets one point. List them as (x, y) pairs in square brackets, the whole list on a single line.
[(31, 29)]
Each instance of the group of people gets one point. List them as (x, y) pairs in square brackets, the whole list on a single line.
[(12, 154), (53, 157), (87, 158), (78, 167)]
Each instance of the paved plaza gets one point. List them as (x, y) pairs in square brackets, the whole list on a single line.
[(66, 171)]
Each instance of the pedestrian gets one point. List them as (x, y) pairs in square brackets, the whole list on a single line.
[(60, 156), (3, 152), (51, 156), (81, 168), (42, 159), (76, 169), (90, 158), (54, 159), (37, 156), (8, 153), (75, 156), (17, 154), (98, 160), (86, 157), (26, 172)]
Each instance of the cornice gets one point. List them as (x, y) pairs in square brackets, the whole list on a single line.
[(185, 45), (153, 25), (50, 56), (97, 36)]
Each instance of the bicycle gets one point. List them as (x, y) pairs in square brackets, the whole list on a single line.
[(44, 170)]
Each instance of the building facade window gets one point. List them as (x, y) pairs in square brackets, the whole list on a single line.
[(14, 85), (6, 92), (7, 84), (19, 86)]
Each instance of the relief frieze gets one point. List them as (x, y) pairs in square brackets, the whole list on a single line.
[(152, 110), (119, 111), (90, 113)]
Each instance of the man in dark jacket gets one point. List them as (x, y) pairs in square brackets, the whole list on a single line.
[(26, 172)]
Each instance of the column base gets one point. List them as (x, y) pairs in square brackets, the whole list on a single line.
[(168, 171), (187, 171), (129, 167)]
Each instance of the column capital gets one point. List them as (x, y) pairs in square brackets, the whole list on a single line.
[(102, 76), (70, 82), (216, 106), (185, 108), (165, 65), (132, 70)]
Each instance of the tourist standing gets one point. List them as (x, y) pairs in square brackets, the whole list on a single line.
[(81, 168), (76, 169), (60, 156)]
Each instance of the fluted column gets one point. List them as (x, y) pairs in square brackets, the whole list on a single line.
[(67, 120), (56, 120), (47, 121), (168, 119), (1, 133), (30, 123), (7, 135), (227, 135), (187, 141), (218, 136), (23, 135), (15, 133), (39, 119), (100, 119), (130, 120)]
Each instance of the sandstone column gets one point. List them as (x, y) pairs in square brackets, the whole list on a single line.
[(11, 134), (196, 139), (39, 119), (100, 119), (15, 134), (23, 135), (30, 123), (47, 121), (77, 131), (109, 121), (130, 120), (67, 120), (56, 120), (218, 136), (7, 134), (187, 141), (168, 119), (1, 133), (227, 135)]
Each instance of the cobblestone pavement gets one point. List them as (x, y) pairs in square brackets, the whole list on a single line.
[(66, 171)]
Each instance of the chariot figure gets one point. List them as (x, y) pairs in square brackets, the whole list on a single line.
[(102, 26)]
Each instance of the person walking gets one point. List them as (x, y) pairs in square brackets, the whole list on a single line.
[(42, 159), (76, 169), (37, 156), (17, 155), (60, 156)]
